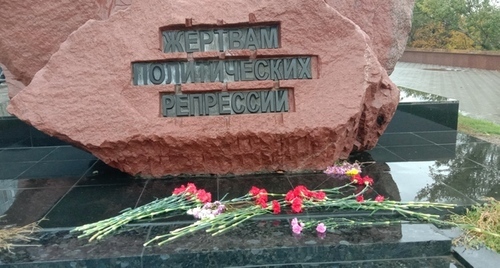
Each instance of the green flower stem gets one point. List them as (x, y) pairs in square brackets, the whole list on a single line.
[(226, 228), (336, 190), (180, 232), (99, 230), (219, 224)]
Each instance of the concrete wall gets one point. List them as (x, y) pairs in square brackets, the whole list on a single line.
[(479, 60)]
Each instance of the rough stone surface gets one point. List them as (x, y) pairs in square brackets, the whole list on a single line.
[(31, 31), (26, 50), (84, 94), (387, 22)]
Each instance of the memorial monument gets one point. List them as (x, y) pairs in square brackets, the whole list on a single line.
[(196, 87)]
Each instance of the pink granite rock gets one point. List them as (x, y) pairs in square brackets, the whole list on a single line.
[(86, 95), (387, 22), (26, 51), (31, 31)]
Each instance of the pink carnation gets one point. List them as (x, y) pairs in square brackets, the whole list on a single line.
[(297, 229), (321, 228)]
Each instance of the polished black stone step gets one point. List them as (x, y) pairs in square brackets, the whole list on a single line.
[(256, 244)]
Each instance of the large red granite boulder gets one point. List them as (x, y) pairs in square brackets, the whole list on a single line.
[(124, 88), (387, 22)]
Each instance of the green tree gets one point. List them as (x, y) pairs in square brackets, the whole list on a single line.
[(456, 24)]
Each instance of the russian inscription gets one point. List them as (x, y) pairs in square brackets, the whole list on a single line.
[(263, 37), (157, 73), (222, 70), (225, 103)]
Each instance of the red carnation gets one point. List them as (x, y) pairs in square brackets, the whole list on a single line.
[(260, 196), (290, 196), (356, 179), (301, 191), (254, 191), (276, 207), (179, 190), (261, 202), (297, 205), (367, 180), (320, 195), (191, 188), (379, 198), (360, 198), (203, 196), (263, 194)]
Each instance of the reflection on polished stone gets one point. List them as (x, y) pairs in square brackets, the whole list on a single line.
[(271, 243)]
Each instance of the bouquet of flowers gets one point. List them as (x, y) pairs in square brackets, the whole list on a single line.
[(223, 215)]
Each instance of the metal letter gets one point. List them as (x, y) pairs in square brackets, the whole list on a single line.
[(253, 106), (196, 109), (182, 102), (156, 73), (233, 71), (172, 41), (205, 41), (224, 103), (191, 38), (168, 102), (269, 37), (238, 106), (275, 71), (216, 69), (168, 73), (257, 69), (177, 72), (290, 66), (200, 71), (251, 40), (140, 74), (268, 101), (282, 101), (235, 36), (187, 72), (305, 64), (210, 102), (246, 68), (220, 35)]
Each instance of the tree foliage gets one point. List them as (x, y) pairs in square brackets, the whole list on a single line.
[(456, 24)]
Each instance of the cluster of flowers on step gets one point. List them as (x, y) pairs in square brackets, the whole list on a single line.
[(220, 216), (296, 199)]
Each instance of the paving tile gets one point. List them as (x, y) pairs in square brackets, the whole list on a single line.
[(402, 139), (10, 171), (423, 152), (82, 205), (69, 153), (24, 154), (25, 206), (58, 169)]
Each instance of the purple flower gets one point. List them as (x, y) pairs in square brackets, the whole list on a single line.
[(321, 228), (342, 168)]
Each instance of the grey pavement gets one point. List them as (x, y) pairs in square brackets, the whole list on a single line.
[(478, 91), (4, 99)]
